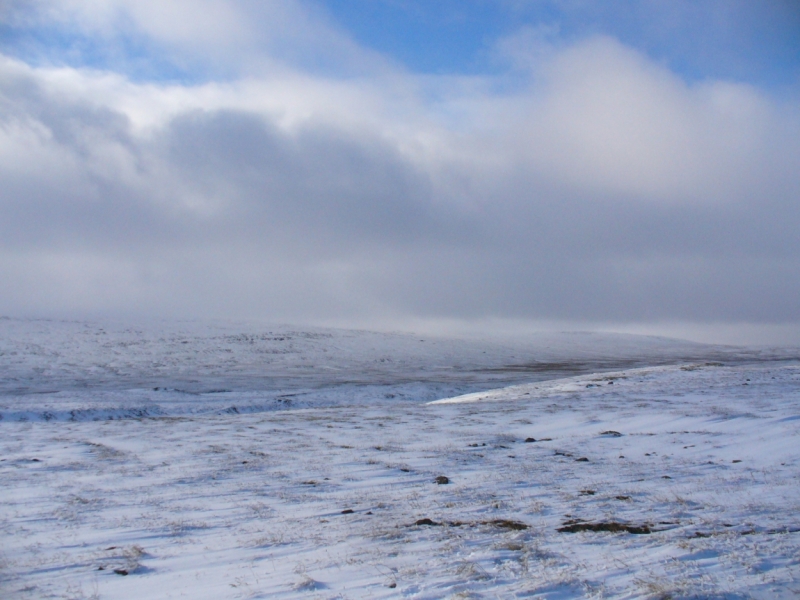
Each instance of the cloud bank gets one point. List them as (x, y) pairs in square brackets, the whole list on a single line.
[(304, 178)]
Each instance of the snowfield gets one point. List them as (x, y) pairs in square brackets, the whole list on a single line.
[(204, 462)]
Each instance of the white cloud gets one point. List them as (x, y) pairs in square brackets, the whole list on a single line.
[(606, 189), (230, 38)]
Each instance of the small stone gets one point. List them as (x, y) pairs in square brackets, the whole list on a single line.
[(611, 433), (442, 480)]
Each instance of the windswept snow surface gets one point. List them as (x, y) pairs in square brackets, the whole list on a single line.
[(74, 370), (678, 480)]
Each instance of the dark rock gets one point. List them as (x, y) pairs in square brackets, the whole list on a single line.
[(442, 480), (610, 526), (506, 524)]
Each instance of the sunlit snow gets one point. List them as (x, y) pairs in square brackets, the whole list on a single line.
[(239, 461)]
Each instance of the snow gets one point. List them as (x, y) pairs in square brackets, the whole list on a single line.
[(199, 501)]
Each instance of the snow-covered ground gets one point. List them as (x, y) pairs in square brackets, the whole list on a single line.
[(316, 466)]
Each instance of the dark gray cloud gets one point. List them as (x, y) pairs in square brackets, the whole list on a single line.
[(345, 190)]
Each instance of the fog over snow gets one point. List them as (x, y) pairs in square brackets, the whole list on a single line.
[(261, 160)]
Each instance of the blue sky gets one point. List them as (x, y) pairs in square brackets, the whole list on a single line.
[(741, 40), (757, 42), (515, 164)]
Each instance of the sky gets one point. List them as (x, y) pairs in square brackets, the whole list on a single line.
[(453, 166)]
